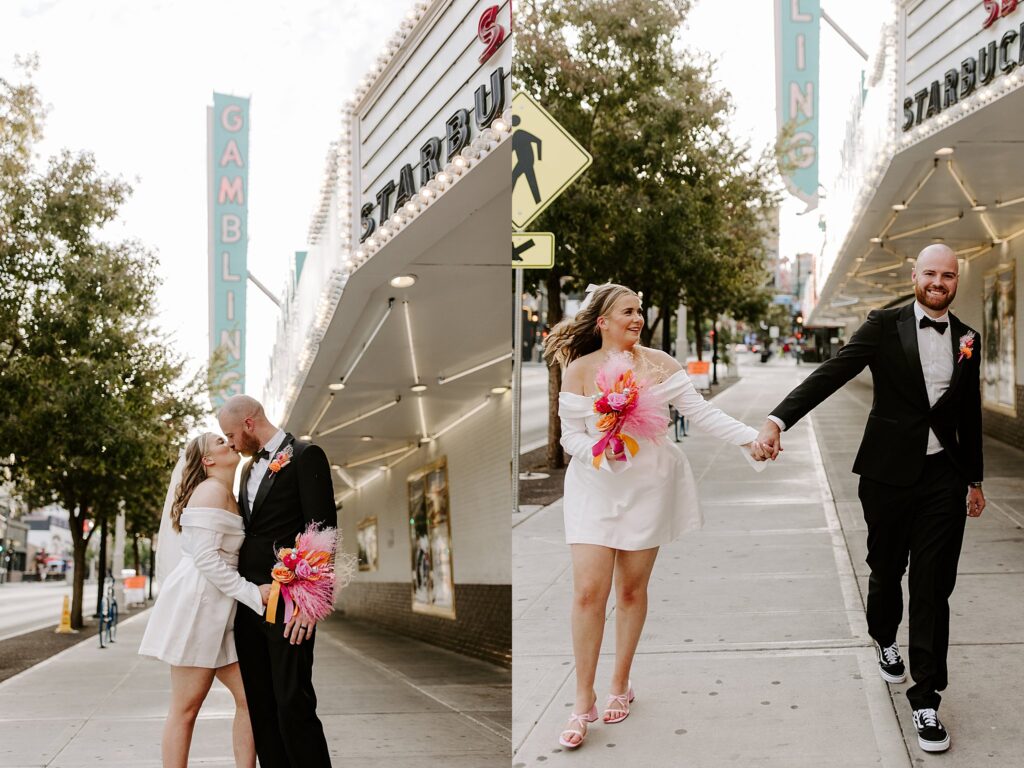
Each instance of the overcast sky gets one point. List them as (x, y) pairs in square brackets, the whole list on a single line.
[(130, 80)]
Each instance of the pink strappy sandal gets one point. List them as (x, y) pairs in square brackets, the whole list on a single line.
[(581, 729), (618, 705)]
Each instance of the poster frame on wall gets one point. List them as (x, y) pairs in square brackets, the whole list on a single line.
[(426, 572), (999, 340), (366, 532)]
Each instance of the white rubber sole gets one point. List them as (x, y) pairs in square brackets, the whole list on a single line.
[(933, 746), (892, 678)]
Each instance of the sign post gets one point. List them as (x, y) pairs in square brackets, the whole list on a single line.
[(546, 159)]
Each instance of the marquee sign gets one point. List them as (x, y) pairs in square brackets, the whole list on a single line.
[(996, 58), (488, 104)]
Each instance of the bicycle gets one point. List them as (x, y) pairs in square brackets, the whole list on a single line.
[(108, 613)]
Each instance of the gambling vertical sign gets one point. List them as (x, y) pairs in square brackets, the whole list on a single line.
[(228, 176), (797, 24)]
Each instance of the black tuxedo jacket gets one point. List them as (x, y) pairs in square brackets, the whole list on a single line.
[(895, 439), (286, 502)]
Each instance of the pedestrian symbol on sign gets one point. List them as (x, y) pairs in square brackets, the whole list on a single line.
[(546, 159), (522, 148)]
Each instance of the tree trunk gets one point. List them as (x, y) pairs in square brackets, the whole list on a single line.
[(78, 544), (698, 337), (555, 458), (152, 566), (666, 328), (101, 567), (135, 554)]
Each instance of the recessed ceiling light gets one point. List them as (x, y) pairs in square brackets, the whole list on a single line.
[(943, 151), (499, 390), (305, 437), (900, 207), (335, 466), (418, 388), (979, 208), (425, 440), (876, 240), (335, 386), (366, 438), (403, 281), (383, 467)]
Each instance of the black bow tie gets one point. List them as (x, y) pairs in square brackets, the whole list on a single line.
[(262, 453), (927, 322)]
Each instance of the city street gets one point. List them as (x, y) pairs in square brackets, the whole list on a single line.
[(26, 606), (381, 697), (534, 424), (755, 650)]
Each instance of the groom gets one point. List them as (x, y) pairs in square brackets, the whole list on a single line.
[(919, 458), (276, 660)]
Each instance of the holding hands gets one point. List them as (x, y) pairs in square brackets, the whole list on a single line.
[(768, 444)]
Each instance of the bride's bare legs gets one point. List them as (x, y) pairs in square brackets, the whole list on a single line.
[(632, 575), (241, 729), (189, 686), (591, 583)]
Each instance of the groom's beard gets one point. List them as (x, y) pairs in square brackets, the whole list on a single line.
[(937, 300), (248, 445)]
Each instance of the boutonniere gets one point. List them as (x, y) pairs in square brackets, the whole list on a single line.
[(966, 346), (281, 460)]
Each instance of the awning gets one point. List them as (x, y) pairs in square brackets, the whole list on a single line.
[(455, 317), (971, 198)]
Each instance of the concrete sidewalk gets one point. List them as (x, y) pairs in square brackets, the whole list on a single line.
[(382, 698), (755, 650)]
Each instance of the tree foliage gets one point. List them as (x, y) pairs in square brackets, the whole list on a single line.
[(673, 206), (95, 404)]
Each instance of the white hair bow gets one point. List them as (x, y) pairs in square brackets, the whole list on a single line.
[(591, 290)]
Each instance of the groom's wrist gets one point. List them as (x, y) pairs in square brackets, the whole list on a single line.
[(778, 422)]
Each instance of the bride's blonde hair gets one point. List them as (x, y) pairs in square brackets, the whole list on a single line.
[(581, 335), (192, 474)]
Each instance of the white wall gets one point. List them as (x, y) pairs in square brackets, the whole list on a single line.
[(479, 482)]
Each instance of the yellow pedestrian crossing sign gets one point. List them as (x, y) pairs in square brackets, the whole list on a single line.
[(533, 250), (545, 159)]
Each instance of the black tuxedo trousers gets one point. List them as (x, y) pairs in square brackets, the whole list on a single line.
[(922, 524), (278, 681)]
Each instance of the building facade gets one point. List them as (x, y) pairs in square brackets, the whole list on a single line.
[(933, 156), (393, 352)]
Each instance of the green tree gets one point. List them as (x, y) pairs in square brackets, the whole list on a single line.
[(95, 402), (673, 206)]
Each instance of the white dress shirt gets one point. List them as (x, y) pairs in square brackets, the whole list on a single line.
[(259, 468), (936, 363), (936, 354)]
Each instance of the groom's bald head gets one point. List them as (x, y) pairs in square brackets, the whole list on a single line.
[(245, 424)]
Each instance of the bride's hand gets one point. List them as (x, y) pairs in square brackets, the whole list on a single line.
[(265, 592), (757, 451)]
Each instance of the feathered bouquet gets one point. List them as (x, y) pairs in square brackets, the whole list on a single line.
[(306, 575), (623, 407)]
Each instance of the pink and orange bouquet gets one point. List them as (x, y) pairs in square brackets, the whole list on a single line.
[(305, 575), (626, 414)]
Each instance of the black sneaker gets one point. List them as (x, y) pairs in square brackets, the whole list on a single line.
[(890, 663), (930, 734)]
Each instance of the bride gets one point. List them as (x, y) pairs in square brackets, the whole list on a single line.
[(621, 505), (191, 625)]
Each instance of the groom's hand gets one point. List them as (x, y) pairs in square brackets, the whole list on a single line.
[(770, 438), (299, 628), (975, 502)]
